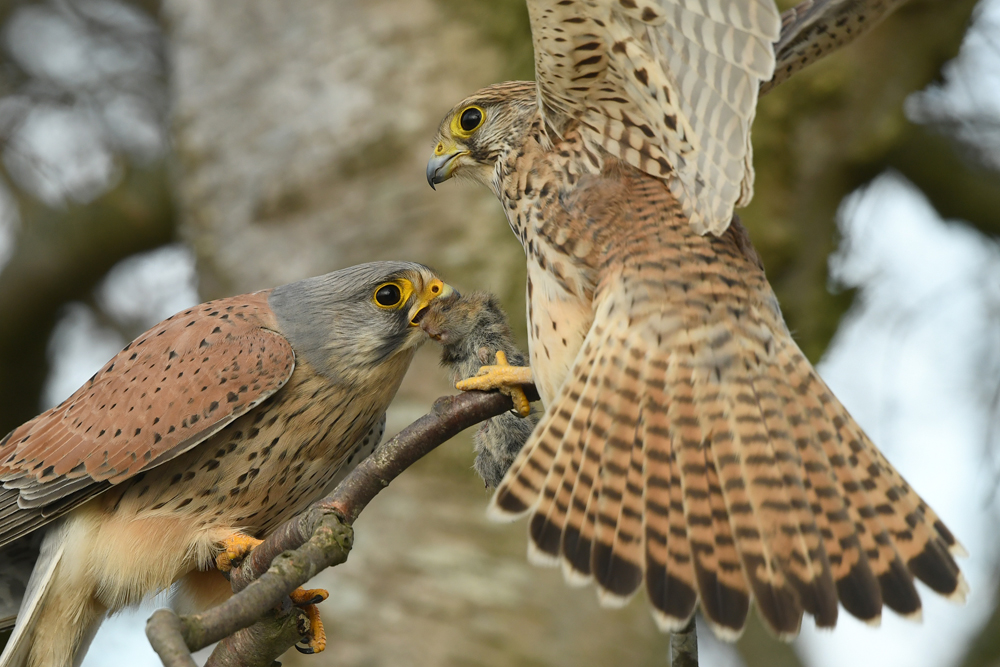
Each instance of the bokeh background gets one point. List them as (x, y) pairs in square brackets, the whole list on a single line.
[(156, 153)]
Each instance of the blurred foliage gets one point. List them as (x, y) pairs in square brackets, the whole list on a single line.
[(64, 245), (831, 129), (504, 24)]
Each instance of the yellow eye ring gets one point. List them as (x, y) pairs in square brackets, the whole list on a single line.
[(467, 121), (388, 296)]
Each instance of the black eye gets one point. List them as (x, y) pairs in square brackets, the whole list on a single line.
[(471, 119), (388, 296)]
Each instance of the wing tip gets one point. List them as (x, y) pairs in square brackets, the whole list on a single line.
[(961, 592), (504, 507), (668, 623), (573, 576), (540, 558)]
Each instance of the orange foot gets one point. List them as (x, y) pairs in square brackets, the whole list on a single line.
[(237, 546), (307, 599), (505, 378)]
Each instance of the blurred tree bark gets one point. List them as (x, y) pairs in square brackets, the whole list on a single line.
[(61, 255), (62, 252)]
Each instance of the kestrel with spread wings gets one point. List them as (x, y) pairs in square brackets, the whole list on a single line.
[(687, 446)]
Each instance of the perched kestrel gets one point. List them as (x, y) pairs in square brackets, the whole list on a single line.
[(687, 444), (209, 430)]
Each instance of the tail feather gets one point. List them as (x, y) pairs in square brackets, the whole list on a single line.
[(550, 513), (579, 532), (857, 587), (697, 449), (915, 541), (15, 653), (855, 482), (725, 597), (617, 557), (757, 502), (670, 577), (808, 567)]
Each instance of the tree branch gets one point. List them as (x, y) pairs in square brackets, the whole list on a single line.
[(684, 646), (302, 547), (263, 642), (165, 633)]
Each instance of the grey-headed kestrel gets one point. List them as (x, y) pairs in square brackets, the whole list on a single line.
[(687, 445), (203, 435)]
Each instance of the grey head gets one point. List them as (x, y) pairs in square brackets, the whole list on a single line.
[(351, 323)]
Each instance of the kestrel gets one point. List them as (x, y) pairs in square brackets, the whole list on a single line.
[(204, 434), (687, 445)]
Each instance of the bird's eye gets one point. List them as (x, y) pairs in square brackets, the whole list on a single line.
[(388, 295), (471, 119)]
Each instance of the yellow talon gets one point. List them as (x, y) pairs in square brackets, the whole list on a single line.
[(317, 633), (235, 548), (306, 596), (505, 378)]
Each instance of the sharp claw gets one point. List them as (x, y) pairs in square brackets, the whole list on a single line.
[(302, 597), (316, 635)]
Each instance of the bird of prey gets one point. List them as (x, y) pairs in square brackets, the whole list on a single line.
[(204, 434), (473, 331), (687, 445)]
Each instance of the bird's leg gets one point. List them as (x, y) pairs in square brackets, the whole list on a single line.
[(308, 599), (505, 378), (237, 546)]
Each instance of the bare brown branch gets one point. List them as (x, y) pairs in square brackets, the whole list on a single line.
[(263, 642), (166, 635), (317, 539), (684, 646)]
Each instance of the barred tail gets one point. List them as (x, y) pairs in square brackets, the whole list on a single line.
[(713, 464)]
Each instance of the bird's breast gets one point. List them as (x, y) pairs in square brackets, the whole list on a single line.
[(262, 468)]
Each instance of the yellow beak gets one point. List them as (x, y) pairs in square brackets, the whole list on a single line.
[(435, 289), (442, 164)]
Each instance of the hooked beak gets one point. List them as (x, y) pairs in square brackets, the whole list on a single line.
[(435, 289), (442, 164)]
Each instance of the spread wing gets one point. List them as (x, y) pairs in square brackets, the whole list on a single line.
[(669, 86), (814, 29), (177, 384)]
